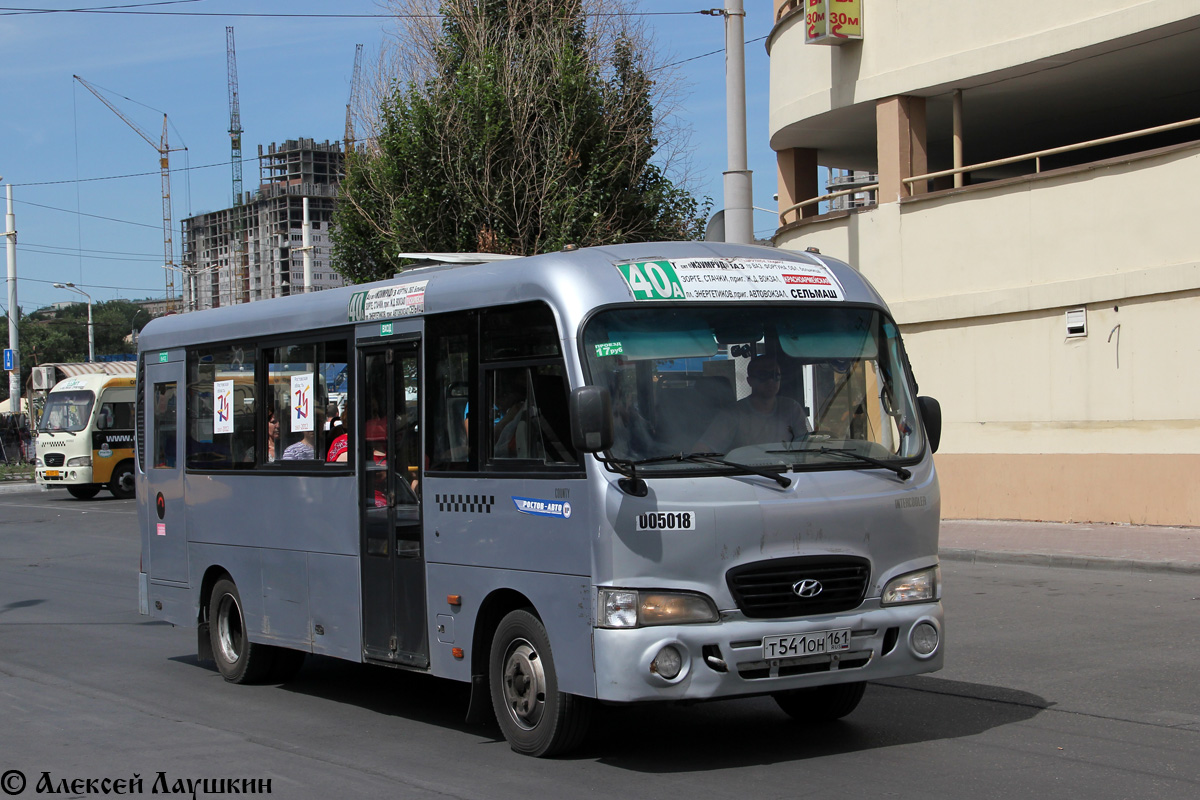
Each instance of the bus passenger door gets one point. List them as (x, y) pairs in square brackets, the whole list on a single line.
[(393, 558), (163, 453)]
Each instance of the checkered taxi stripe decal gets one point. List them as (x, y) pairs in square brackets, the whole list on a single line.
[(465, 503)]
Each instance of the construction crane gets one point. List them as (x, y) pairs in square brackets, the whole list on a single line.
[(240, 271), (352, 106), (164, 164), (235, 119)]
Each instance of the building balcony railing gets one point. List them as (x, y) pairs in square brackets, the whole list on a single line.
[(1036, 157)]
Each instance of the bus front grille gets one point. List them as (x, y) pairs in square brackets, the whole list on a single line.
[(53, 459), (769, 589)]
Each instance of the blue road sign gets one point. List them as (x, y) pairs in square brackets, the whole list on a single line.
[(10, 359)]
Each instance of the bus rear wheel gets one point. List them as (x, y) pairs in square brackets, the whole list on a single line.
[(536, 718), (83, 491), (121, 484), (238, 659), (821, 703)]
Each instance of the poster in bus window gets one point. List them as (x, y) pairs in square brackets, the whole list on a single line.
[(223, 407), (302, 402)]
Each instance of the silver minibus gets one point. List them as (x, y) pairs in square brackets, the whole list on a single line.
[(673, 471)]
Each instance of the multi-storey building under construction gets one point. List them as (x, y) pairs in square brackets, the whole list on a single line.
[(253, 251)]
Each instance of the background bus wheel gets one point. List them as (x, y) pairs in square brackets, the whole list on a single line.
[(121, 485), (238, 659), (536, 718), (821, 703), (83, 491)]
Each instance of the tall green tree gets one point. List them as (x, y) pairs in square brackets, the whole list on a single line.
[(520, 126)]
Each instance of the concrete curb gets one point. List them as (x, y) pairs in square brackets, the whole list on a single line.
[(1067, 561), (13, 487)]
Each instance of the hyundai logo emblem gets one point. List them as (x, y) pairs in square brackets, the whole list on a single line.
[(807, 588)]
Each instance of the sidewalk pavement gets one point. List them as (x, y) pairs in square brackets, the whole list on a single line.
[(1086, 545), (1095, 545)]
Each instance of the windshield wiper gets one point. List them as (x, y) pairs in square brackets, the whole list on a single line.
[(714, 458), (903, 473)]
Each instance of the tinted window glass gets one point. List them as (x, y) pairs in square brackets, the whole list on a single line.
[(299, 379), (221, 408)]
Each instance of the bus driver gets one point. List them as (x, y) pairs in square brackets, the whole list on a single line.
[(762, 418)]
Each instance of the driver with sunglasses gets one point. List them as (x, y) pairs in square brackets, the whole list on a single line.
[(762, 418)]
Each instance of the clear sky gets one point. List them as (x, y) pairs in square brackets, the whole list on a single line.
[(63, 151)]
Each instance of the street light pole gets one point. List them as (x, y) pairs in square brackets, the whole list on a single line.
[(14, 339), (738, 179), (91, 330)]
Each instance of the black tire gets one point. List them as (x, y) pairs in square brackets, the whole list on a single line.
[(83, 491), (238, 659), (821, 703), (536, 718), (122, 481)]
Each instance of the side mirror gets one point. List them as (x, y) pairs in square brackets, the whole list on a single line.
[(591, 419), (931, 415)]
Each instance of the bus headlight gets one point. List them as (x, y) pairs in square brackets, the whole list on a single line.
[(914, 587), (79, 461), (630, 608)]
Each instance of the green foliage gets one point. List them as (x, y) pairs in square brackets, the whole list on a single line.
[(528, 133), (62, 336)]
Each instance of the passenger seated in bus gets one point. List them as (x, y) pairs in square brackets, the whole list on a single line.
[(508, 431), (272, 438), (334, 426), (339, 448), (762, 418)]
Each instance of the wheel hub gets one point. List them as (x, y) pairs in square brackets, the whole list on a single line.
[(229, 629), (524, 684)]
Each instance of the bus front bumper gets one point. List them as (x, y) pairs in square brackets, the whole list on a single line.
[(60, 476), (729, 658)]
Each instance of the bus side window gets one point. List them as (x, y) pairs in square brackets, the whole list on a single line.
[(164, 425), (451, 375)]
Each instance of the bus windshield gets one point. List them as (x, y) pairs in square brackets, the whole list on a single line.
[(778, 387), (67, 411)]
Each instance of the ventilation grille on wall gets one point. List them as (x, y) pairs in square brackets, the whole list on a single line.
[(1076, 322)]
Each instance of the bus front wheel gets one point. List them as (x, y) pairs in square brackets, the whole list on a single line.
[(121, 484), (536, 718), (821, 703), (238, 659), (83, 491)]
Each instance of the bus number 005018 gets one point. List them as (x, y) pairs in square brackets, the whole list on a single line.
[(667, 520)]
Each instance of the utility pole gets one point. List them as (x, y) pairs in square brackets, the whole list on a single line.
[(14, 339), (739, 214)]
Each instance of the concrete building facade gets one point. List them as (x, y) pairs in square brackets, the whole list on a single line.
[(253, 251), (1038, 171)]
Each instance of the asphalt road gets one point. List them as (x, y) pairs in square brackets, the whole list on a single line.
[(1059, 683)]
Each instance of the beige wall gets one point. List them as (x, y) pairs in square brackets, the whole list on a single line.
[(945, 41), (1039, 425), (1145, 489)]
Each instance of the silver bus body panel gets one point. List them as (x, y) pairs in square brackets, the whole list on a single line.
[(743, 519), (563, 602), (310, 575)]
